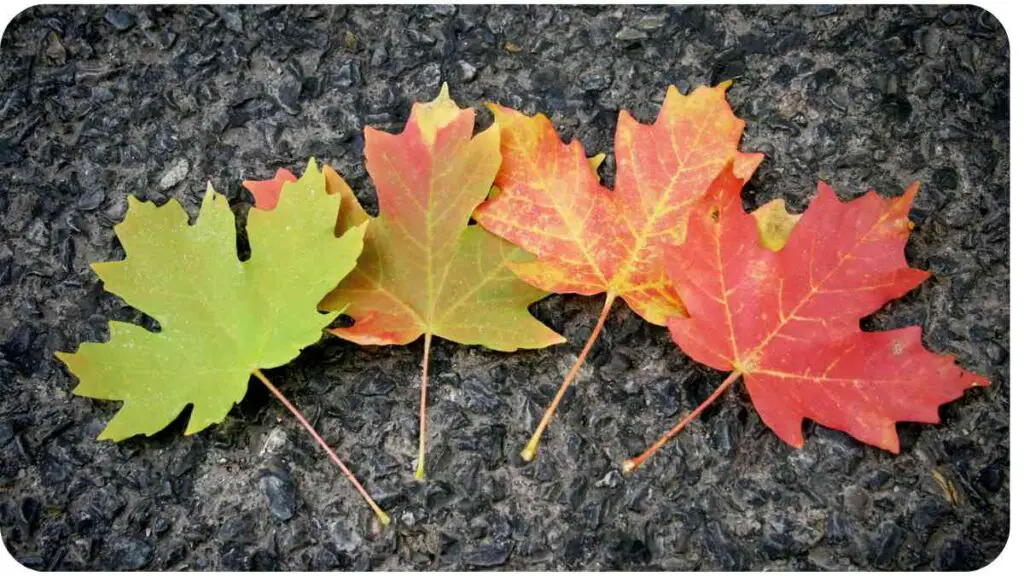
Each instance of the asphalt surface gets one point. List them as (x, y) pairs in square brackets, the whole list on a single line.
[(98, 103)]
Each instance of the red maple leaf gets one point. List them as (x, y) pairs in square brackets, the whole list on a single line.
[(266, 192), (788, 320)]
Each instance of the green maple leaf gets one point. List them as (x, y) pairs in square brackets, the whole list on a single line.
[(221, 319)]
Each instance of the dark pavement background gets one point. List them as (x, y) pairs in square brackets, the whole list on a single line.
[(99, 103)]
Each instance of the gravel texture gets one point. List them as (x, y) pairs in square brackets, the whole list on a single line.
[(97, 103)]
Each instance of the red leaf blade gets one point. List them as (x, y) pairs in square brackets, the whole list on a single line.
[(789, 320)]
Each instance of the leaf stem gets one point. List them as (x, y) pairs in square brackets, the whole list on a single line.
[(421, 465), (634, 463), (530, 451), (381, 515)]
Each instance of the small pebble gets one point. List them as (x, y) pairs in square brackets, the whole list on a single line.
[(233, 21), (628, 34), (488, 556), (132, 555), (467, 71), (55, 50), (280, 493), (344, 538), (287, 95), (651, 22), (347, 75), (119, 19), (175, 174)]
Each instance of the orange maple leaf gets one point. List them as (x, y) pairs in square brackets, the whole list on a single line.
[(588, 240), (786, 318), (424, 270)]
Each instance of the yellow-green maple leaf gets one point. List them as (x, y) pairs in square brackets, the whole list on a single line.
[(220, 319)]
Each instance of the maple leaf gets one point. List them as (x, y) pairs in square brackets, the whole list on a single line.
[(588, 240), (221, 320), (787, 319), (266, 192), (350, 215), (424, 270)]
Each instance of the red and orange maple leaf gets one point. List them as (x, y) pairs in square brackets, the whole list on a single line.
[(588, 240), (786, 318)]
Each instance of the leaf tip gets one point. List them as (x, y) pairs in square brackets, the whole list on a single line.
[(744, 164), (725, 85), (498, 113), (332, 174), (64, 357), (433, 116), (825, 190), (312, 165), (359, 230), (775, 224), (890, 440), (107, 434), (194, 425), (911, 192)]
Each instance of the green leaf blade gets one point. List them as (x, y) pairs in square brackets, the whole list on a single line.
[(220, 319)]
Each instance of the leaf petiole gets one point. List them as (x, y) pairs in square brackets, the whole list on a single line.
[(381, 515), (634, 463), (421, 466), (530, 451)]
